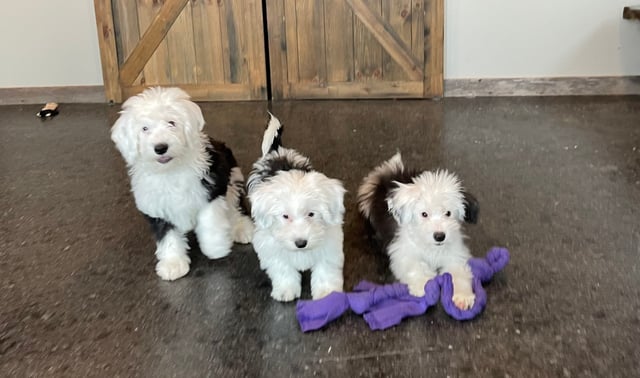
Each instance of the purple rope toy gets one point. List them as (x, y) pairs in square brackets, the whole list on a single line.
[(384, 306)]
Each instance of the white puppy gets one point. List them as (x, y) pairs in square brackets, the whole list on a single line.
[(298, 214), (416, 218), (181, 179)]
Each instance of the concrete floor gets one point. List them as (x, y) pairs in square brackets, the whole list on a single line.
[(558, 180)]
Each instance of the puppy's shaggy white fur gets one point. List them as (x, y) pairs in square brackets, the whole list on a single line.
[(416, 217), (298, 215), (181, 179)]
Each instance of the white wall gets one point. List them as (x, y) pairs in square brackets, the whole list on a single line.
[(48, 43), (54, 43), (541, 38)]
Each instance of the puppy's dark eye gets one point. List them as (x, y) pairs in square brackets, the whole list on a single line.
[(311, 215), (171, 123), (285, 216), (447, 214), (145, 128), (424, 214)]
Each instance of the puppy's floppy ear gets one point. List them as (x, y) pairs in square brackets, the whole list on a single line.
[(193, 119), (125, 135), (333, 196), (262, 206), (471, 208), (401, 202)]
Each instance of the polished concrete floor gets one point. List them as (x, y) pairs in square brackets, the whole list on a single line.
[(558, 180)]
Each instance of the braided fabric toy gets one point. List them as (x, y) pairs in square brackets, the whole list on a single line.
[(383, 306)]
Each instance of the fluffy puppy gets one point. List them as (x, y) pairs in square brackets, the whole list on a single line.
[(416, 217), (181, 179), (298, 215)]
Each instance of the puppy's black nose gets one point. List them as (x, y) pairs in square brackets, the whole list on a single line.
[(439, 236), (160, 148), (301, 243)]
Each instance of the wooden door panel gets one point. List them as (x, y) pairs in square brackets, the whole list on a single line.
[(368, 52), (126, 29), (338, 24), (157, 70), (317, 48), (387, 38), (181, 49), (207, 40), (311, 33), (355, 48), (398, 14)]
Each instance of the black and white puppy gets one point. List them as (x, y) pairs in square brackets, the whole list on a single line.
[(298, 215), (416, 217), (181, 179)]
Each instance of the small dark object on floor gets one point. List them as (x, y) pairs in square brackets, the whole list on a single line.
[(631, 12), (50, 110)]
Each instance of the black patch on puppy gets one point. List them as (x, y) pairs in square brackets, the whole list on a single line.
[(159, 227), (221, 160), (271, 167), (243, 201), (277, 140), (471, 208), (381, 225), (281, 163)]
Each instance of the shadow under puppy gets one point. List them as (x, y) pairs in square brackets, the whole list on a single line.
[(181, 179), (298, 214), (416, 218)]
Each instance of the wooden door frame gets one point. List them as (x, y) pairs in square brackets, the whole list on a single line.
[(108, 52)]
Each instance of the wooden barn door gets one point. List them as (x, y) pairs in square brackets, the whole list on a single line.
[(214, 49), (355, 48)]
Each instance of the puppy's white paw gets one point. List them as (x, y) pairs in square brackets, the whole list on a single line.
[(243, 230), (172, 268), (416, 288), (215, 253), (463, 301), (324, 291), (286, 293)]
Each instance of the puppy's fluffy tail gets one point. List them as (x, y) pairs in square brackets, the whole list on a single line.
[(370, 183), (272, 139)]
